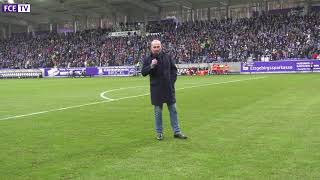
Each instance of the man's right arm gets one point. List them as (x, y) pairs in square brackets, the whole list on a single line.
[(146, 67)]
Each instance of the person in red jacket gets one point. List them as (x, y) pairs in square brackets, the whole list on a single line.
[(226, 69)]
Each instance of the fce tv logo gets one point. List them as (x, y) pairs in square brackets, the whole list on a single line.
[(16, 8)]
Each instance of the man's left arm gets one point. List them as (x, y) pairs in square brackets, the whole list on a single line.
[(173, 69)]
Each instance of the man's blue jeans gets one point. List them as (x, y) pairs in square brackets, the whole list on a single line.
[(173, 118)]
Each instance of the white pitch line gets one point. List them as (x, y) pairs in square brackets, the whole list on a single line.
[(53, 110), (127, 97), (102, 95), (225, 82)]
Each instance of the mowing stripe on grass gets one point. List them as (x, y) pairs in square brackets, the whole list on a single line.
[(118, 99)]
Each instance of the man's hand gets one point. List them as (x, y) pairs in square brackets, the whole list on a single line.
[(154, 62)]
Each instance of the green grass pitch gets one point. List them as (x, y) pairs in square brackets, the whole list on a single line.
[(239, 127)]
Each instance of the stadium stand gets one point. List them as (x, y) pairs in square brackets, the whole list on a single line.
[(265, 37)]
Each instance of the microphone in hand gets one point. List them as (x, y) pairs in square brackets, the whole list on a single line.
[(154, 62)]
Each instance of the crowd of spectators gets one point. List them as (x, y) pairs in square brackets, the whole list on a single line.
[(264, 37)]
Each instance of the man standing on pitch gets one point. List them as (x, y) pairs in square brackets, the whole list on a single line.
[(163, 75)]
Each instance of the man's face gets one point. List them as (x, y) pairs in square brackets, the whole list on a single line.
[(155, 47)]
